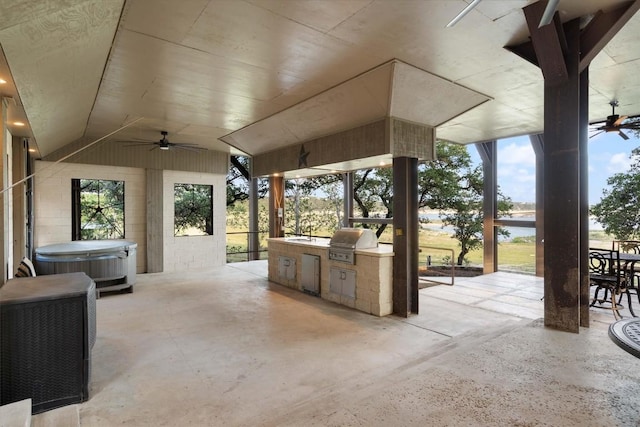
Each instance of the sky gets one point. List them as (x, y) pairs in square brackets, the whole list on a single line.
[(608, 155)]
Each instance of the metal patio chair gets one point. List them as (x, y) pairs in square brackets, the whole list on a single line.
[(606, 275)]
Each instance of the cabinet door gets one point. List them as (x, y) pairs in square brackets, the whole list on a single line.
[(342, 281), (335, 280), (287, 267), (310, 274), (349, 283)]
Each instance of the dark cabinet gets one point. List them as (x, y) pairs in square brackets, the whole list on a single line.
[(47, 330)]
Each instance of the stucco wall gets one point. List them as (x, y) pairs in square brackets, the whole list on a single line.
[(52, 199), (193, 252)]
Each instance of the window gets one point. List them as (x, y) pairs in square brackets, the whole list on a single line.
[(97, 208), (193, 210)]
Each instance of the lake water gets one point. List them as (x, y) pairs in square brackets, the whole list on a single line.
[(514, 231)]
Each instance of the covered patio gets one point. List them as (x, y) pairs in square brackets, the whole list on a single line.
[(274, 356)]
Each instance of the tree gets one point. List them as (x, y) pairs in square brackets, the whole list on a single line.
[(307, 213), (193, 208), (238, 181), (619, 209), (449, 184), (373, 190), (100, 207), (453, 186)]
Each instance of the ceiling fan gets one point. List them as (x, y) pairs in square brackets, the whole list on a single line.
[(164, 144), (615, 123)]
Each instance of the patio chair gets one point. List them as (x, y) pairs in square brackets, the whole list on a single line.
[(605, 274), (631, 268)]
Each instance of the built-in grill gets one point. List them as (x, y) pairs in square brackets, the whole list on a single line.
[(345, 241)]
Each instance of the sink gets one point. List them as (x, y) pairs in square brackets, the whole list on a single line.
[(299, 239)]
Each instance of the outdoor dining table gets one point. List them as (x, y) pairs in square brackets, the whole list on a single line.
[(626, 334), (630, 263), (629, 257)]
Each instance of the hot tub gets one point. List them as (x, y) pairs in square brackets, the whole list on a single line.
[(110, 263)]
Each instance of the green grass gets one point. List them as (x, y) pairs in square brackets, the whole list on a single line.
[(517, 255)]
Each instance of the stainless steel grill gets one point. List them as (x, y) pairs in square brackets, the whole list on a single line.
[(345, 241)]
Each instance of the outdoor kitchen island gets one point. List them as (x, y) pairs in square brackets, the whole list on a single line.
[(304, 264)]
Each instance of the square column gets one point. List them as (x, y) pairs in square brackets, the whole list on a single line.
[(405, 236)]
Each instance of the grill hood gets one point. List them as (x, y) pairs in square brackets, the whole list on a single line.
[(354, 238)]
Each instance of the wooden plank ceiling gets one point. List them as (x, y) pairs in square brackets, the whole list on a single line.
[(202, 69)]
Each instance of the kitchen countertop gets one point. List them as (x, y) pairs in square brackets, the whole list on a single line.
[(320, 242)]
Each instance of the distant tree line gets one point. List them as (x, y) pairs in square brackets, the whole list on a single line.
[(450, 184)]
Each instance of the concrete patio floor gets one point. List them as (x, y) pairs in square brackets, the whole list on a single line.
[(225, 347)]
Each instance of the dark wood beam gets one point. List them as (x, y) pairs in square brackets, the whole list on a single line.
[(548, 42), (525, 51), (601, 29), (405, 236), (562, 193), (584, 198), (276, 206), (593, 38)]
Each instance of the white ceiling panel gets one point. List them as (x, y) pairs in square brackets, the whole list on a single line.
[(424, 98), (59, 75), (203, 68)]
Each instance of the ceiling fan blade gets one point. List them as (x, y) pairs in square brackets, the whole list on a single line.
[(622, 134), (137, 144), (596, 134), (619, 121), (190, 148)]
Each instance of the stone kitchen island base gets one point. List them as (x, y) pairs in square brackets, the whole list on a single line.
[(365, 285)]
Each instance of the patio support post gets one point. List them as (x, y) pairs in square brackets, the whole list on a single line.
[(489, 154), (405, 236), (562, 191), (254, 237), (537, 142), (155, 220), (347, 193), (563, 52), (584, 198), (276, 206)]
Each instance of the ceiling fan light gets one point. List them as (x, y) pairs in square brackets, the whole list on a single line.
[(164, 147)]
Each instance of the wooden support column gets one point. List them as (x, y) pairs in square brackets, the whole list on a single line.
[(254, 237), (155, 221), (584, 197), (562, 192), (347, 185), (489, 153), (405, 236), (563, 53), (537, 142), (276, 206)]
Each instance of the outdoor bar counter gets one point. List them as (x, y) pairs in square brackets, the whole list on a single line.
[(303, 264)]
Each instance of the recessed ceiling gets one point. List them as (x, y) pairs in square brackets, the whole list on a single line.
[(393, 89), (201, 69)]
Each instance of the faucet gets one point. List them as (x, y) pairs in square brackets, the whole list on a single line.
[(310, 228)]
